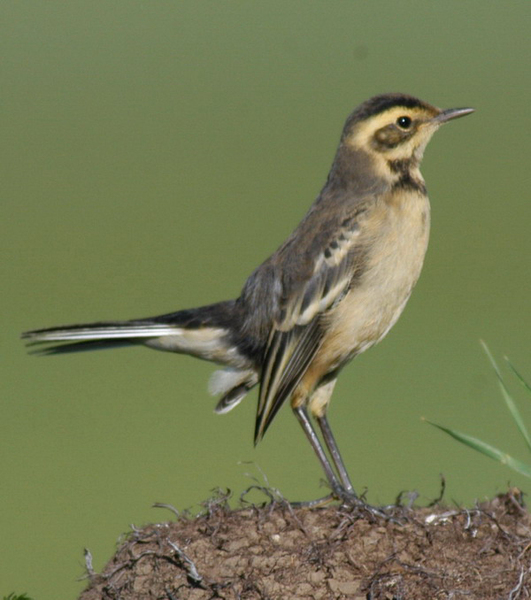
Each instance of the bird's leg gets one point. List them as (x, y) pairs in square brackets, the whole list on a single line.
[(318, 402), (347, 495), (342, 488), (331, 444), (301, 413)]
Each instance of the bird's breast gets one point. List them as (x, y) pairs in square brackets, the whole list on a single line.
[(395, 238)]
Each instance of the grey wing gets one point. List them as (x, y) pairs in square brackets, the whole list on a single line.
[(298, 330)]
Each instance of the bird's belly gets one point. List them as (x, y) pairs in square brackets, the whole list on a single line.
[(378, 297)]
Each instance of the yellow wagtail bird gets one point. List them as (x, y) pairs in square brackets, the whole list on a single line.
[(333, 289)]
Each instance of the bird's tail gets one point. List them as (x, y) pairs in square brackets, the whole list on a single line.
[(204, 332)]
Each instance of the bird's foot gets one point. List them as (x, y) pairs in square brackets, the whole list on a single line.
[(350, 500), (318, 503)]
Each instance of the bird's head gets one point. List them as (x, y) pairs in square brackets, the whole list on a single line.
[(395, 127)]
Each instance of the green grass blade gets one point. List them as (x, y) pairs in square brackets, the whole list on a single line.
[(515, 413), (486, 449), (518, 376)]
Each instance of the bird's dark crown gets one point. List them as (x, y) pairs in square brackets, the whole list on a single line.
[(383, 102)]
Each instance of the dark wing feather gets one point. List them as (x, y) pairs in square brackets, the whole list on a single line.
[(315, 286), (287, 357)]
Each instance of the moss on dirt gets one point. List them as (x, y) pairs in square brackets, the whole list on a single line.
[(277, 551)]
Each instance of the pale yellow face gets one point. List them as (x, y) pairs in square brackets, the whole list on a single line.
[(399, 133)]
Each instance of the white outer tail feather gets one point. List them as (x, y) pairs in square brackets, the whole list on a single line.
[(103, 333)]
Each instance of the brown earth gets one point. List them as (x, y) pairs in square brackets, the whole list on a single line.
[(277, 551)]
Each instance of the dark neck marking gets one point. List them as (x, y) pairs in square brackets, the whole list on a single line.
[(406, 181)]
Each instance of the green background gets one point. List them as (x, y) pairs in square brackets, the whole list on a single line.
[(153, 153)]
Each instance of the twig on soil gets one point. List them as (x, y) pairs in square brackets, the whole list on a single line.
[(88, 563), (167, 506), (193, 574), (515, 592)]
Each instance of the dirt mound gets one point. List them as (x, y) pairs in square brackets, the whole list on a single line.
[(277, 551)]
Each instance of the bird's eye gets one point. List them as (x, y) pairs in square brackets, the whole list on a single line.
[(404, 122)]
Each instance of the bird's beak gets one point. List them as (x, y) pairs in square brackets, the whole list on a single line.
[(452, 113)]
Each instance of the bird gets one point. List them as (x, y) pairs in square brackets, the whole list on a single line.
[(332, 290)]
